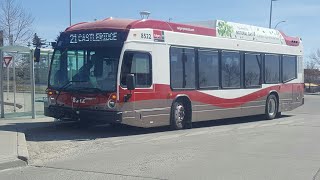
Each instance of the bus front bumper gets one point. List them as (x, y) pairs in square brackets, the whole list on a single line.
[(70, 114)]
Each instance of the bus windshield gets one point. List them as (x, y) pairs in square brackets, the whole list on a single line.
[(85, 69)]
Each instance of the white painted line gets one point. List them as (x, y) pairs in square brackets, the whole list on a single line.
[(269, 124), (221, 130), (117, 141), (166, 137), (197, 133), (286, 122), (298, 124), (249, 126)]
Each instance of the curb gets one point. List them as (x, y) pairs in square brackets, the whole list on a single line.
[(12, 163), (21, 157), (22, 148)]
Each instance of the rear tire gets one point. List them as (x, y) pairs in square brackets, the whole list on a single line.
[(180, 116), (279, 115), (272, 107)]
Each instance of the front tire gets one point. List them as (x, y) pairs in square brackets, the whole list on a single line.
[(272, 107)]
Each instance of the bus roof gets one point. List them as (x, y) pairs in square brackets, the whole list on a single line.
[(189, 28)]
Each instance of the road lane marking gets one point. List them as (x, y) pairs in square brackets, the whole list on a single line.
[(249, 126), (117, 141), (166, 137), (286, 122), (220, 130), (268, 124), (298, 124), (197, 133)]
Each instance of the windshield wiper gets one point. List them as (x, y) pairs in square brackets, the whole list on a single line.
[(66, 85), (90, 89)]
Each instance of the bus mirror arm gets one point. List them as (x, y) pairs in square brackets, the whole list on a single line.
[(127, 97), (131, 85)]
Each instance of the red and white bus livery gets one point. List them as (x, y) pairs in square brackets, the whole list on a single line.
[(150, 73)]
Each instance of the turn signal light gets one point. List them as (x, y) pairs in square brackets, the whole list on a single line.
[(113, 97), (50, 92)]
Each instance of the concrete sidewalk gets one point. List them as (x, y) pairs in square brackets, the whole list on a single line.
[(13, 144)]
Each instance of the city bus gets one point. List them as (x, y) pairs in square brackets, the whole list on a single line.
[(149, 73)]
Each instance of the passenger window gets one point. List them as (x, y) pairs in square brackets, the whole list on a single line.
[(182, 68), (231, 69), (139, 64), (289, 68), (272, 69), (252, 66), (208, 69)]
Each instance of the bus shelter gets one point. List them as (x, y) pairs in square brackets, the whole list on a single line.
[(23, 81)]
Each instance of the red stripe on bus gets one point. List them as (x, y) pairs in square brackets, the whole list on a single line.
[(162, 91)]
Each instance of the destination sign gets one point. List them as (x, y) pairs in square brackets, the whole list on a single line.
[(92, 39)]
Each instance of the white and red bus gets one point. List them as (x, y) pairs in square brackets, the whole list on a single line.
[(150, 73)]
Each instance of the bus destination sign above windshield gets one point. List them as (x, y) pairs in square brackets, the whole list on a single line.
[(93, 37)]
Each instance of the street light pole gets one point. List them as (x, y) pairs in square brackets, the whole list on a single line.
[(70, 12), (271, 12), (275, 27)]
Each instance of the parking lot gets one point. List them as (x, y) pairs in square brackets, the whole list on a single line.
[(240, 148)]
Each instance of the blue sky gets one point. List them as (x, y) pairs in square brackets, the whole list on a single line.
[(302, 16)]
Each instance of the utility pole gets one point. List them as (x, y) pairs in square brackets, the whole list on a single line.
[(271, 13), (70, 12)]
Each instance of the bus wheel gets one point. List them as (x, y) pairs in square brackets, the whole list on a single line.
[(271, 107), (279, 115), (178, 115)]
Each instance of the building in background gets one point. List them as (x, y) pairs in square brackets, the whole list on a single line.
[(312, 80)]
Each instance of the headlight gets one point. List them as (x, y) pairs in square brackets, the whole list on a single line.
[(51, 100), (111, 104)]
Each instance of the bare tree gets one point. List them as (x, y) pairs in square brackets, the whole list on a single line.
[(231, 73), (311, 73), (315, 57), (15, 22)]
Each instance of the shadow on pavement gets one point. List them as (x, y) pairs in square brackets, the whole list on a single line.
[(51, 131)]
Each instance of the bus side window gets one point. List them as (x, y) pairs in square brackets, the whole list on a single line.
[(125, 69), (139, 64)]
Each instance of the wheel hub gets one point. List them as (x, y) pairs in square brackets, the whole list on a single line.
[(272, 107), (179, 114)]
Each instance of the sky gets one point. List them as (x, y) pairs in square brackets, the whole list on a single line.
[(302, 16)]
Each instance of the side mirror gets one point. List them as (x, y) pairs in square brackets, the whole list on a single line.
[(36, 55), (131, 83)]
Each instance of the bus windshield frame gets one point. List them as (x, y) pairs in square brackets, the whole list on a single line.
[(88, 70), (87, 61)]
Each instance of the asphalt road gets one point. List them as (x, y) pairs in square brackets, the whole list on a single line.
[(242, 148)]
